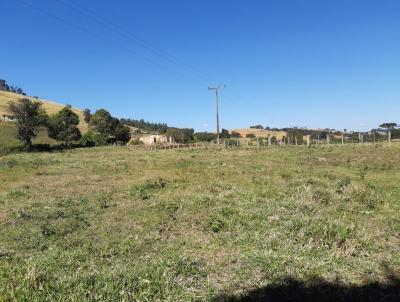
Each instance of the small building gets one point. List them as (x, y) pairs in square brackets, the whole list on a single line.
[(154, 139)]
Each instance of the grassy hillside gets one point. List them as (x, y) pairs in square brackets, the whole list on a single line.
[(49, 106), (113, 224), (259, 133), (8, 136)]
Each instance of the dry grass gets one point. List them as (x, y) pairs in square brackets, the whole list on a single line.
[(117, 224), (50, 107), (261, 133)]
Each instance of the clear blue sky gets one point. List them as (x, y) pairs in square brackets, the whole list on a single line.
[(313, 63)]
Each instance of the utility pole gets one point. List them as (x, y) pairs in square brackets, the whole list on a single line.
[(217, 89)]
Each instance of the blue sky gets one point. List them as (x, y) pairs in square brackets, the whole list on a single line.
[(300, 63)]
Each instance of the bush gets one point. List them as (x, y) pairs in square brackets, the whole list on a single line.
[(136, 142), (342, 184), (216, 225), (92, 138)]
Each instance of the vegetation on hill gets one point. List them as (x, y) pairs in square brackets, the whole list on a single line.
[(292, 134), (106, 129), (113, 224), (15, 89), (145, 126), (120, 133), (49, 106)]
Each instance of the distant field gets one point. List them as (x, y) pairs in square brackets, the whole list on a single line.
[(262, 133), (49, 106), (113, 224)]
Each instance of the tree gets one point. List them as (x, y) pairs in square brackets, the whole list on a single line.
[(388, 126), (257, 127), (4, 86), (87, 115), (235, 134), (250, 135), (30, 117), (295, 135), (225, 134), (147, 126), (122, 133), (204, 136), (181, 135), (108, 128), (177, 134), (63, 126), (102, 121)]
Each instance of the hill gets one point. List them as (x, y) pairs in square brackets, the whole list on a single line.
[(261, 133), (50, 107)]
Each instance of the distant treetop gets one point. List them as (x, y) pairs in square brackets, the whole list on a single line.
[(5, 87)]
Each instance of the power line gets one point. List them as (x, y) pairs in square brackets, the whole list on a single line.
[(87, 12), (115, 28), (81, 28), (94, 34)]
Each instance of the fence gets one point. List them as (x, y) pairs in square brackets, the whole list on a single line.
[(255, 144)]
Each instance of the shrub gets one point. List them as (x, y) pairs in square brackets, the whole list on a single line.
[(216, 225), (342, 184)]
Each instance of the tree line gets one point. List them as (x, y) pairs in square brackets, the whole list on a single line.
[(11, 88), (296, 133), (146, 126), (63, 126), (105, 129)]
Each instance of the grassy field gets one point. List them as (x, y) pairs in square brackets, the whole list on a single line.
[(113, 224)]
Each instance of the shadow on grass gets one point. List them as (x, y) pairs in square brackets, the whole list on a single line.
[(42, 148), (320, 290)]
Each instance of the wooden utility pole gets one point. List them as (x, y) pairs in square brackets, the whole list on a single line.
[(217, 88)]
